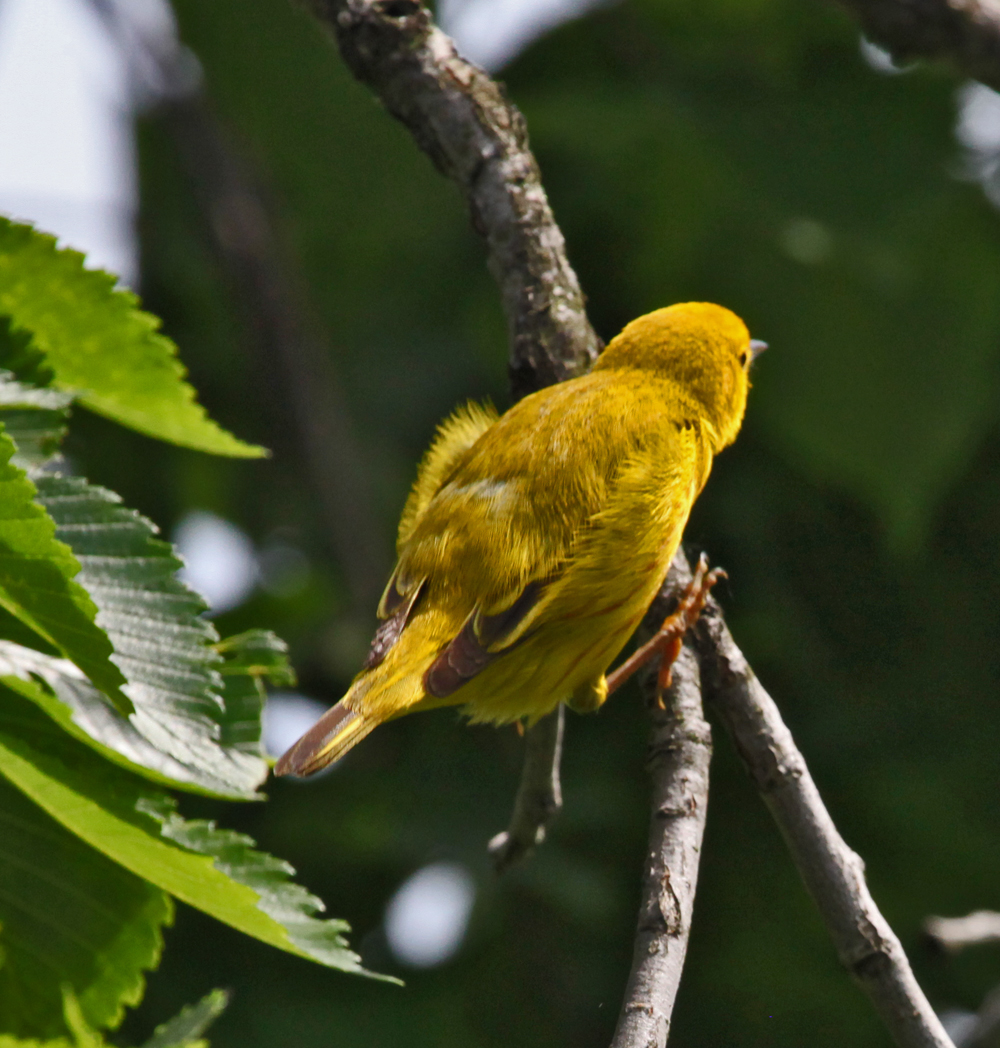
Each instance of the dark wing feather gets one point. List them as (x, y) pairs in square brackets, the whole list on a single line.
[(394, 610), (478, 643)]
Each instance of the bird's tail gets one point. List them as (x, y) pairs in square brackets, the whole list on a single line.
[(389, 691), (382, 693), (337, 731)]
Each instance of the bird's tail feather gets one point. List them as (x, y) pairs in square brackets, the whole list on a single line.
[(389, 691), (337, 731)]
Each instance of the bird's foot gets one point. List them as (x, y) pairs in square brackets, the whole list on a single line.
[(666, 643)]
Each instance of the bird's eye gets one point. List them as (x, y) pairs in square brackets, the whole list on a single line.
[(743, 359)]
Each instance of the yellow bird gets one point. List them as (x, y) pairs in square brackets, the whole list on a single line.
[(533, 543)]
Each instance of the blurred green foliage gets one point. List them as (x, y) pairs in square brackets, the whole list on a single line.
[(734, 151)]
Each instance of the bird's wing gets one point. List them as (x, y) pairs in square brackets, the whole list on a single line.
[(611, 568), (452, 440), (519, 563)]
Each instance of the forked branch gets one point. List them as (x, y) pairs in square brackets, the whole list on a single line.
[(833, 873), (476, 137)]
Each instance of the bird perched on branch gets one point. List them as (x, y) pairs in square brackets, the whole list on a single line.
[(533, 543)]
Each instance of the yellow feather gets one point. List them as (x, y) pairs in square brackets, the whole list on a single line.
[(453, 438), (539, 538)]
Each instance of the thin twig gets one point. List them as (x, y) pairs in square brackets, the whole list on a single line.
[(833, 873), (955, 933), (964, 32), (461, 118), (680, 750), (539, 795)]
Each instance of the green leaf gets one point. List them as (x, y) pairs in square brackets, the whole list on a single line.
[(83, 1033), (58, 688), (68, 916), (161, 643), (37, 583), (15, 394), (20, 355), (101, 346), (190, 1023), (35, 419), (250, 659), (258, 654), (34, 415), (216, 871)]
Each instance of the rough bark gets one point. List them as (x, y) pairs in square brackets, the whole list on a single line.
[(679, 754), (476, 137), (832, 872), (539, 795)]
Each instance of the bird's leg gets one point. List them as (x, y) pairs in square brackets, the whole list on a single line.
[(666, 643)]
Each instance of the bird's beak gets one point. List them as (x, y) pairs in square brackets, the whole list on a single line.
[(756, 348)]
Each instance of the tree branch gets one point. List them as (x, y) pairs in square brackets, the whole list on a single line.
[(539, 795), (679, 754), (476, 137), (955, 933), (965, 32), (833, 874), (461, 118)]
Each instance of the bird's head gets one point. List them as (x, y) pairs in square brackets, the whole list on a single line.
[(704, 348)]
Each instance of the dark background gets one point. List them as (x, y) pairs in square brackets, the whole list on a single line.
[(739, 151)]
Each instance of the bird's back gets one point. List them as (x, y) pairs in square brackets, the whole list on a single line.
[(532, 544), (512, 506)]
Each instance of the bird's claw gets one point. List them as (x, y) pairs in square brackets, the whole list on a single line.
[(670, 635), (667, 641)]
